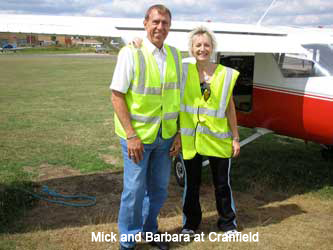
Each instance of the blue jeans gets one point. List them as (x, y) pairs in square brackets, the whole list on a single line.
[(145, 188)]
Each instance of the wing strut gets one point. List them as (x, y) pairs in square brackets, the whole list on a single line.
[(259, 132)]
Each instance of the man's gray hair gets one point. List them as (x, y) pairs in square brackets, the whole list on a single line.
[(160, 8), (201, 30)]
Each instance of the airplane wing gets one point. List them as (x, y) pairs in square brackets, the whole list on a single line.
[(58, 25), (307, 35), (231, 38)]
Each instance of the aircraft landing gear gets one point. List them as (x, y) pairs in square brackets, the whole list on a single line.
[(179, 170)]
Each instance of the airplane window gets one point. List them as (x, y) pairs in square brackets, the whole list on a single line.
[(322, 54), (292, 66)]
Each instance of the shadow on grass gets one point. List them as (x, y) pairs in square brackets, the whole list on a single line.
[(14, 202)]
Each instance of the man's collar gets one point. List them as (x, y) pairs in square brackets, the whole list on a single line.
[(151, 47)]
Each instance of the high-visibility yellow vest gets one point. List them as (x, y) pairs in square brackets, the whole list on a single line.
[(151, 102), (204, 125)]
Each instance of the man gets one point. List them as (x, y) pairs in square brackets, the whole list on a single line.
[(146, 100)]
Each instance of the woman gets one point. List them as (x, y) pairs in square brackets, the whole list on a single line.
[(208, 128)]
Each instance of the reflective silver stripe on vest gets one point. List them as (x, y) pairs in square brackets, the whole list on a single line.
[(141, 89), (183, 82), (225, 91), (170, 116), (176, 59), (201, 111), (155, 119), (146, 119), (187, 131), (142, 65), (170, 85), (207, 131), (206, 111), (188, 109)]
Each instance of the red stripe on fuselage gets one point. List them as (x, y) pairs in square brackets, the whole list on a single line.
[(295, 92), (291, 114)]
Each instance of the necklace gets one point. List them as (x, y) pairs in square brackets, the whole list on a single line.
[(206, 77), (206, 72)]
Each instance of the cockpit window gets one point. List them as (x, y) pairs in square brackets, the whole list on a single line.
[(322, 54), (299, 66)]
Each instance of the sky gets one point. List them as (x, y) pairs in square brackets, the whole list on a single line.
[(311, 13)]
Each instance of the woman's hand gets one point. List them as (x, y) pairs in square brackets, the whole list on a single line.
[(235, 148), (176, 146)]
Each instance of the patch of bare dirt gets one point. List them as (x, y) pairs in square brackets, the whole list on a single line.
[(113, 147), (111, 159), (253, 210), (105, 186)]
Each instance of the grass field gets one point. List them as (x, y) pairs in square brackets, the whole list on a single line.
[(56, 128)]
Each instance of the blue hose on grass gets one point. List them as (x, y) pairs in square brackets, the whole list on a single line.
[(50, 192)]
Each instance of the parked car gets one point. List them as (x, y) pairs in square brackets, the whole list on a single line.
[(8, 46), (102, 49)]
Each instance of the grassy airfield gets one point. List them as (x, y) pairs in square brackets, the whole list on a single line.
[(56, 129)]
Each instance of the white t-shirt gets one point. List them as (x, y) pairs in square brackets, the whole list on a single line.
[(124, 71)]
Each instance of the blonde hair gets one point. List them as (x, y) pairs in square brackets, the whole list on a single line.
[(201, 30)]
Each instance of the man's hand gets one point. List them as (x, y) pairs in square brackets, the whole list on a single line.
[(135, 149), (176, 146)]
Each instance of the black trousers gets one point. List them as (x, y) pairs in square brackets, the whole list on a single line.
[(192, 214)]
